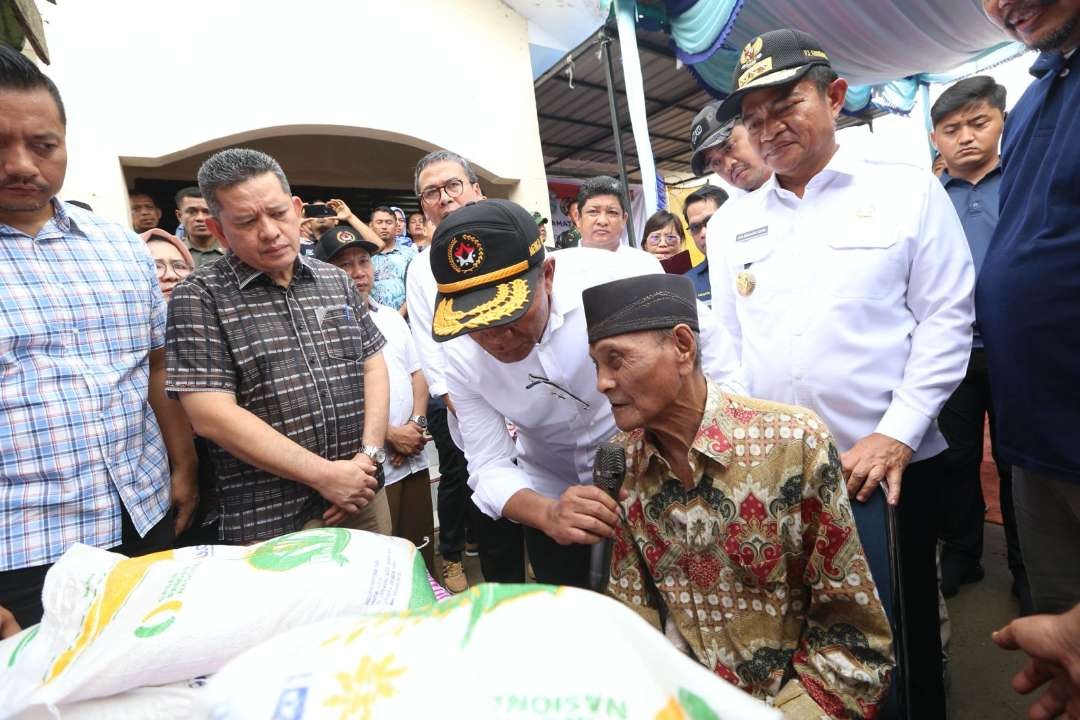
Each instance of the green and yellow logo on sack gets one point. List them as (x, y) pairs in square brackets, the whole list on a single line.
[(291, 551)]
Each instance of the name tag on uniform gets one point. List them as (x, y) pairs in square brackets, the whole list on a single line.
[(751, 234)]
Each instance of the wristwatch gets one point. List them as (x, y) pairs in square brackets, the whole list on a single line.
[(375, 453), (420, 420)]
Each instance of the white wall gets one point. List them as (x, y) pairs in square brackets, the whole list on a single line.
[(427, 73)]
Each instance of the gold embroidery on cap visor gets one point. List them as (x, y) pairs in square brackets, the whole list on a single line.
[(509, 298), (755, 71), (776, 78)]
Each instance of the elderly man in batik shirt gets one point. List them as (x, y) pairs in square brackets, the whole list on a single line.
[(738, 536)]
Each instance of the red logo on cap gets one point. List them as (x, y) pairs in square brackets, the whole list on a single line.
[(465, 253)]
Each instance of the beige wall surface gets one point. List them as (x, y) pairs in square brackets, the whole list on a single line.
[(150, 83)]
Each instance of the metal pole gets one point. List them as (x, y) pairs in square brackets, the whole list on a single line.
[(609, 75)]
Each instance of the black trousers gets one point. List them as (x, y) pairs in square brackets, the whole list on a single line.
[(962, 423), (917, 529), (502, 554), (20, 590), (453, 499)]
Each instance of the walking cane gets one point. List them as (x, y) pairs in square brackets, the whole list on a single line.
[(899, 609)]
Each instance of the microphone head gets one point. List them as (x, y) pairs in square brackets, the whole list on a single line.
[(609, 468)]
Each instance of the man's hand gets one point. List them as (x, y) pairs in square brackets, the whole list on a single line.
[(184, 495), (407, 439), (449, 404), (875, 458), (397, 459), (8, 624), (584, 515), (351, 483), (1053, 644), (341, 209)]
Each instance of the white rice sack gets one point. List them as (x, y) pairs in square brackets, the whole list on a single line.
[(496, 652), (112, 623), (178, 701)]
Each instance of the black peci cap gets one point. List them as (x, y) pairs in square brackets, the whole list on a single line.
[(657, 301), (487, 259), (778, 57)]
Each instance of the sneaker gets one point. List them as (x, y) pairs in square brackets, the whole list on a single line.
[(472, 549), (454, 578)]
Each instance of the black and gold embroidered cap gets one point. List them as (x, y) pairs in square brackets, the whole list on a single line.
[(777, 57), (338, 238), (487, 259), (658, 301)]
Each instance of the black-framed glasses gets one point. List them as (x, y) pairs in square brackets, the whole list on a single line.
[(697, 227), (556, 389), (181, 268), (453, 188)]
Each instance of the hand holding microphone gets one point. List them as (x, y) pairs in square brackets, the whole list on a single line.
[(609, 471)]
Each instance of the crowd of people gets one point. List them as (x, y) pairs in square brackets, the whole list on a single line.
[(802, 413)]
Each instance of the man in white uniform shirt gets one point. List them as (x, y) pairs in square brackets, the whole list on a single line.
[(408, 485), (847, 287), (526, 358)]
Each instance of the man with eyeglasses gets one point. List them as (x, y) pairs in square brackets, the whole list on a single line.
[(698, 210), (91, 450), (511, 321), (445, 181)]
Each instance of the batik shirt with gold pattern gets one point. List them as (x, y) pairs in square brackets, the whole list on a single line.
[(758, 565)]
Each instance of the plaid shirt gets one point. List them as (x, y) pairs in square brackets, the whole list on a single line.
[(80, 309), (292, 356)]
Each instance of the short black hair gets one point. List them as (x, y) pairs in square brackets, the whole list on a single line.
[(705, 192), (822, 76), (134, 191), (600, 185), (968, 92), (18, 72), (189, 192), (660, 220), (384, 209)]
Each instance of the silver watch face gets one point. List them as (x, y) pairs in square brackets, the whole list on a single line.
[(421, 421)]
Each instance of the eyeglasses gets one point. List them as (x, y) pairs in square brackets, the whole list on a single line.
[(181, 268), (453, 188), (556, 389), (656, 240), (697, 227)]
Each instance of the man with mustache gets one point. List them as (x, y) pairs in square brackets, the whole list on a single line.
[(83, 410), (846, 284), (1028, 299)]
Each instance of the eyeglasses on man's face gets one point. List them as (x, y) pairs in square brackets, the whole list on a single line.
[(453, 188), (179, 267), (697, 227)]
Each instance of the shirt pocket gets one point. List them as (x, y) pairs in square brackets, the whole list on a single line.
[(861, 260), (343, 336)]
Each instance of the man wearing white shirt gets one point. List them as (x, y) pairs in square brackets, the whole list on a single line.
[(445, 181), (408, 491), (847, 287), (526, 359)]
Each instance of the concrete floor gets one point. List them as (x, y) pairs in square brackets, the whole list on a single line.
[(981, 672)]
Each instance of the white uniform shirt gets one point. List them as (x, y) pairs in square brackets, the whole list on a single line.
[(420, 291), (862, 302), (401, 362), (557, 435)]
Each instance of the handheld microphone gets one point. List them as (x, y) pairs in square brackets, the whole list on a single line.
[(609, 470)]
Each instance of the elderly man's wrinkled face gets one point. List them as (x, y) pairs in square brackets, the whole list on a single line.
[(640, 375)]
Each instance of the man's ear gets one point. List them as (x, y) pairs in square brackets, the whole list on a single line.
[(215, 229), (836, 94), (685, 345), (933, 140), (179, 217)]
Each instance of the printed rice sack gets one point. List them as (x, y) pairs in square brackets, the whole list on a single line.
[(522, 652), (178, 701), (113, 623)]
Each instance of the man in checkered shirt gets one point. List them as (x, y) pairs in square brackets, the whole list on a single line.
[(82, 334), (278, 365)]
